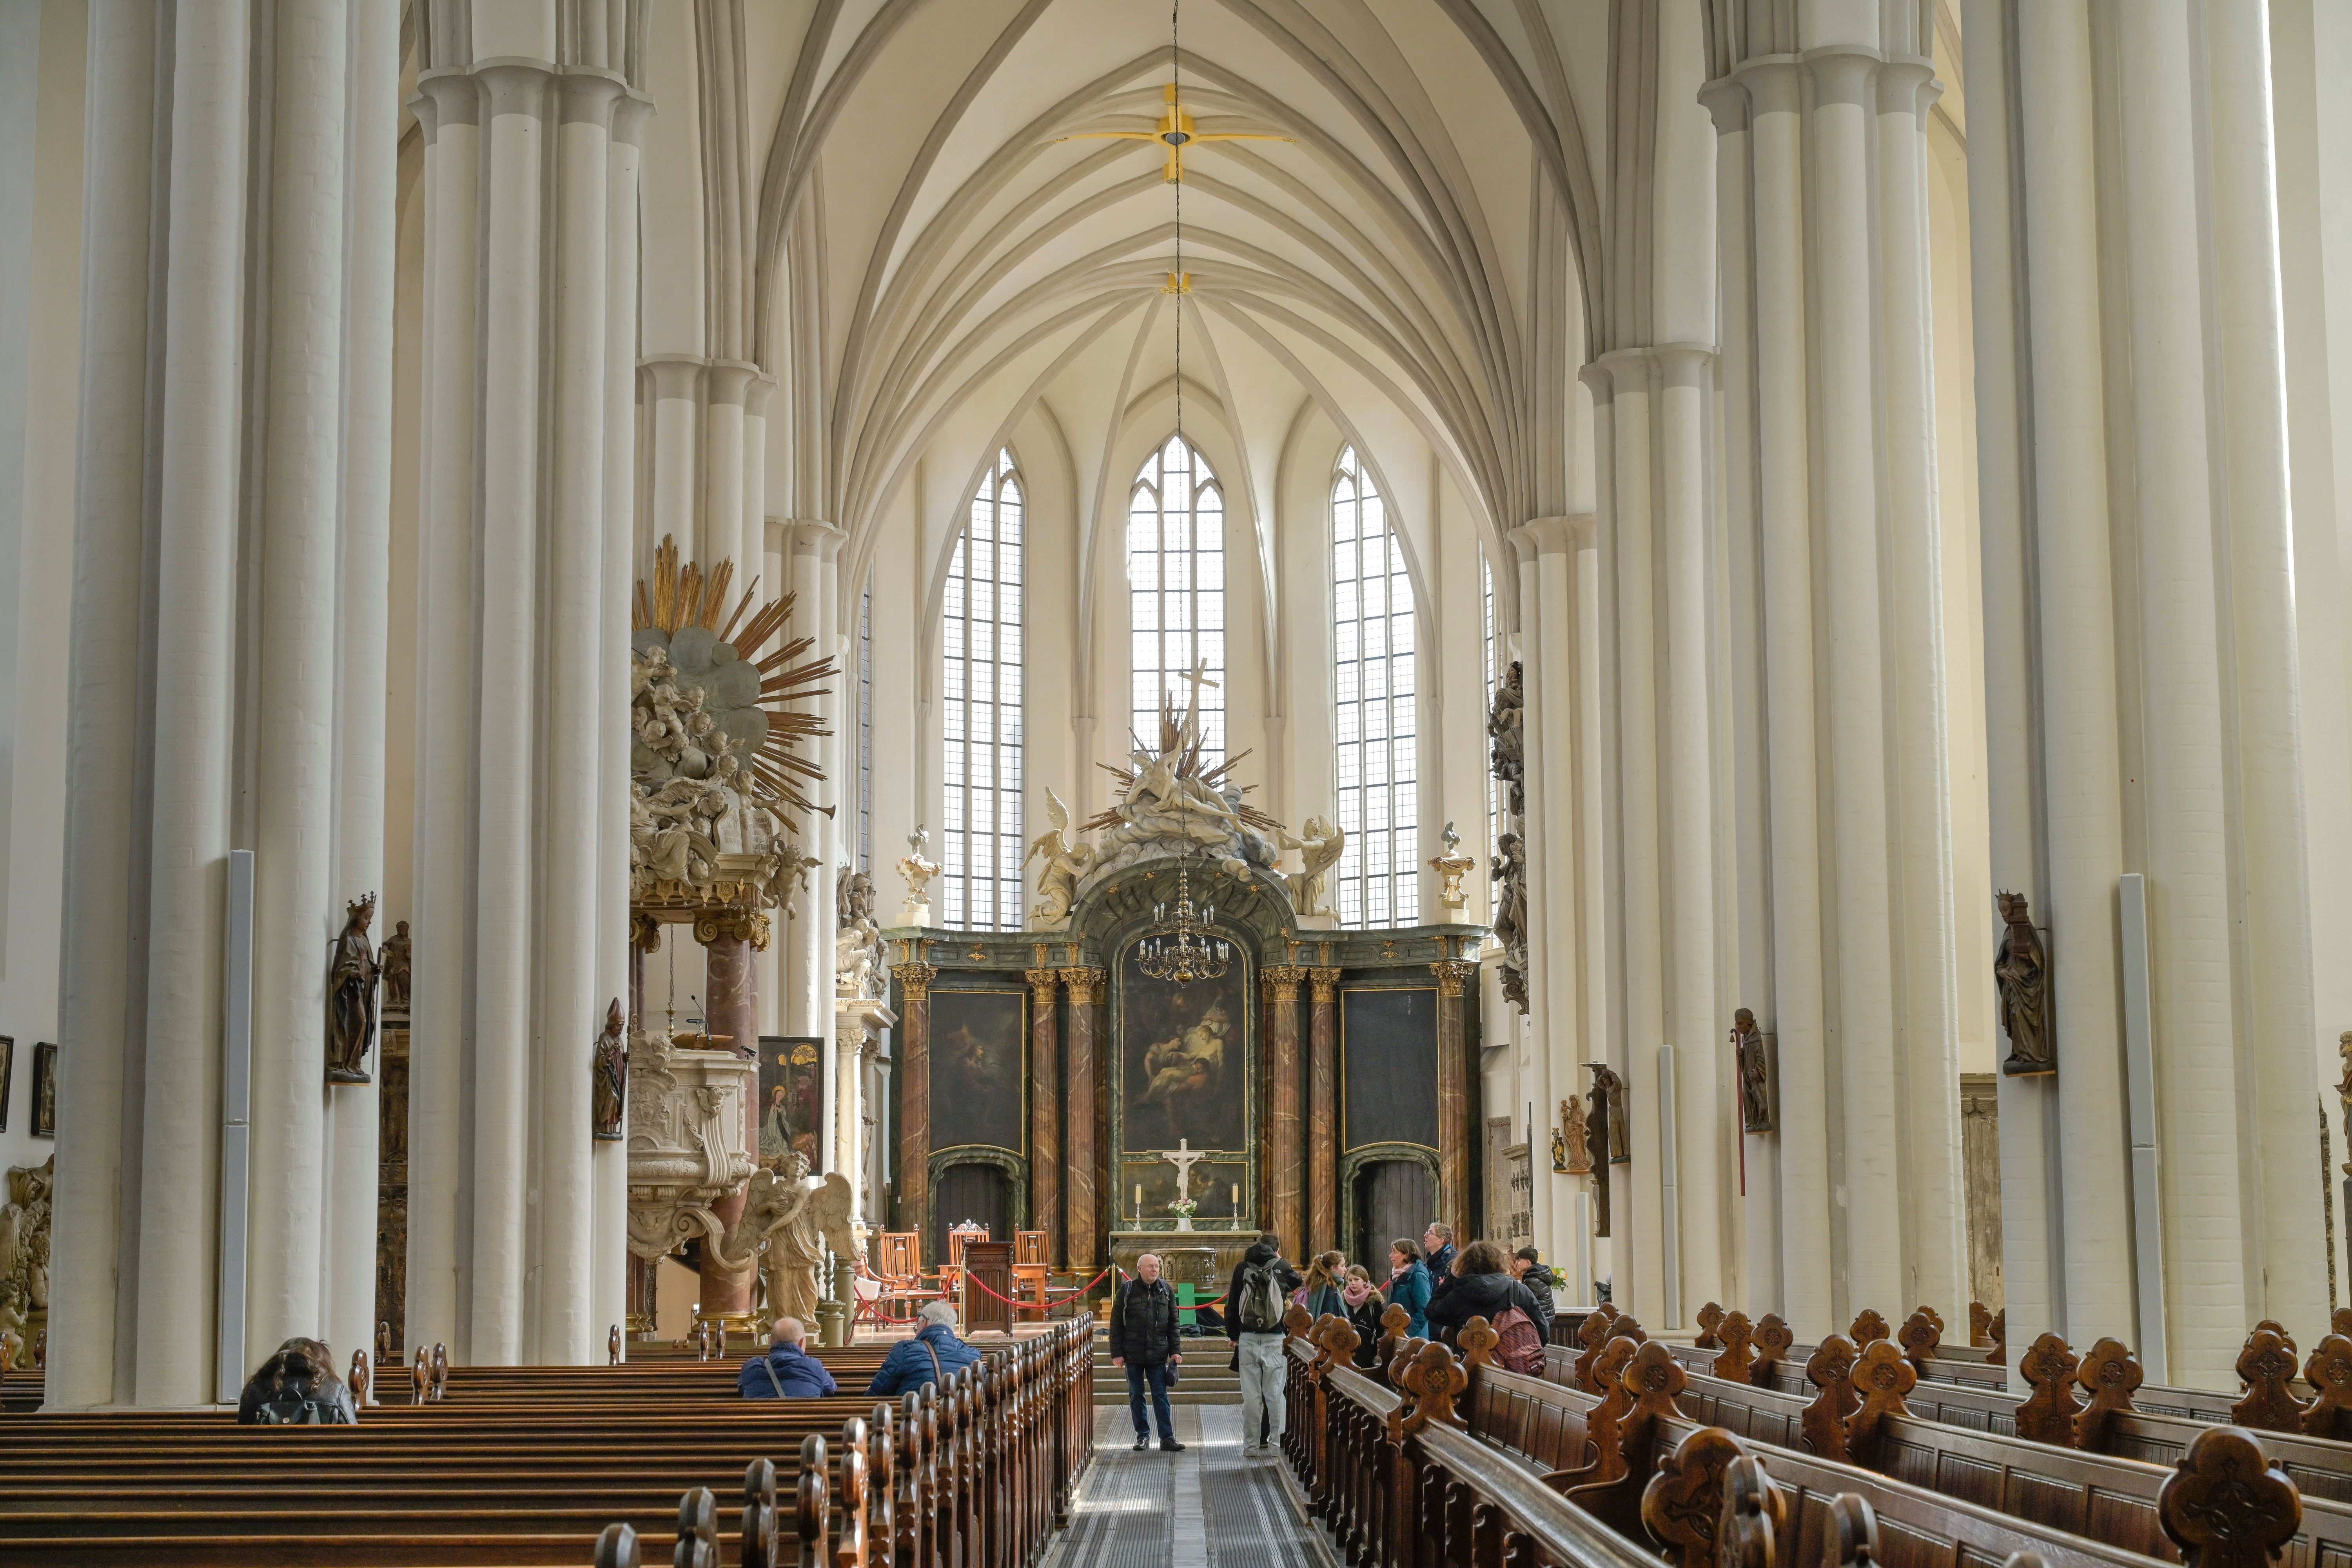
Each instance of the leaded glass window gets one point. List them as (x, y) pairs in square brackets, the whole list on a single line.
[(1176, 588), (981, 694), (1374, 716)]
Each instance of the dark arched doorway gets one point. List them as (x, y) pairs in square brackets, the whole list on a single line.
[(981, 1192), (1388, 1199)]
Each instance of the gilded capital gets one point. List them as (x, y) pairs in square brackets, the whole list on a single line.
[(1452, 974), (1042, 981), (1282, 981), (1086, 985), (1327, 985), (914, 979)]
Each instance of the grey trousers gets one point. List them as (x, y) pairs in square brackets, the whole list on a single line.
[(1265, 1369)]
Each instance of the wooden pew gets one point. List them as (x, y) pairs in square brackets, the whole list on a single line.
[(977, 1471), (1645, 1442)]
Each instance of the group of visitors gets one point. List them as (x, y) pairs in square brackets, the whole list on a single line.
[(1439, 1288)]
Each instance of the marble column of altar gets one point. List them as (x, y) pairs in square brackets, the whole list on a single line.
[(1286, 1214), (1044, 1111), (1323, 1113), (914, 1102), (731, 1012), (1454, 974), (1079, 1222)]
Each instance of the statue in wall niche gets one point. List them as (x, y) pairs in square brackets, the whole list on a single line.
[(610, 1070), (1320, 847), (1575, 1137), (856, 940), (351, 975), (25, 1248), (2021, 973), (1752, 1053), (1509, 874), (1066, 862), (394, 963), (1506, 730)]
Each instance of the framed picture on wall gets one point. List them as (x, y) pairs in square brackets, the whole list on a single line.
[(45, 1091), (7, 1075)]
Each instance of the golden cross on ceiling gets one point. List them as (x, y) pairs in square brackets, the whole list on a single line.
[(1175, 131)]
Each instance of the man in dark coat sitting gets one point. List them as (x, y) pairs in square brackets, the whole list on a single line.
[(1144, 1339), (787, 1371)]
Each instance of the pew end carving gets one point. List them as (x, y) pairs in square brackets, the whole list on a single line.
[(2226, 1505)]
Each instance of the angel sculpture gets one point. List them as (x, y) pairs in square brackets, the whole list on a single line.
[(1066, 862), (1318, 850), (788, 1223)]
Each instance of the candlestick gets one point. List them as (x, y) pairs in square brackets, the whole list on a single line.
[(1237, 1197), (1138, 1198)]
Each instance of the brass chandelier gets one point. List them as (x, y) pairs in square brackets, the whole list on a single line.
[(1184, 947)]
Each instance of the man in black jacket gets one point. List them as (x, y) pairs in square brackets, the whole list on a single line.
[(1255, 1302), (1144, 1339), (1529, 1269)]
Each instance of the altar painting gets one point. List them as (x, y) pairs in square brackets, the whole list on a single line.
[(1183, 1059), (980, 1070), (791, 1098)]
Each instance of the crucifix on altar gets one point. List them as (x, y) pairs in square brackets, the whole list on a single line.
[(1184, 1157)]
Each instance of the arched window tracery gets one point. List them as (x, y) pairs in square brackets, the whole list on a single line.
[(981, 696), (1176, 587), (1374, 718)]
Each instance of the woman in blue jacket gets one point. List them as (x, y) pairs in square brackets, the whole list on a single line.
[(1408, 1284)]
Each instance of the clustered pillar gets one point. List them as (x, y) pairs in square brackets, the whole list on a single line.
[(529, 329), (2141, 669), (237, 179), (1836, 788)]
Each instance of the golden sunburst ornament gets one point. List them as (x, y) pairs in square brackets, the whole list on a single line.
[(746, 695)]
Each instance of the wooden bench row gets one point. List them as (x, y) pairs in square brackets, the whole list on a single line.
[(976, 1472), (1650, 1457)]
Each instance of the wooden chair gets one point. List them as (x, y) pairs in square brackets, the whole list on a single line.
[(959, 1237), (897, 1270), (1029, 1268)]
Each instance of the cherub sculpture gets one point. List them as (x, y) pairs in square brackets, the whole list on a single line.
[(1319, 846), (1066, 862)]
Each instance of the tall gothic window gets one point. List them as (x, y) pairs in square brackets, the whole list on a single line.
[(1176, 587), (981, 693), (1372, 670)]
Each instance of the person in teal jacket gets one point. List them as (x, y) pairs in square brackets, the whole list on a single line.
[(1409, 1284)]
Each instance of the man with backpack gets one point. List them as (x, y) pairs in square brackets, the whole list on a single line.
[(1255, 1302)]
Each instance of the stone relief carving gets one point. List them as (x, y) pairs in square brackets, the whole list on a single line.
[(351, 995), (25, 1250), (1509, 874), (1174, 801), (2021, 973), (686, 1138), (1065, 861), (856, 940)]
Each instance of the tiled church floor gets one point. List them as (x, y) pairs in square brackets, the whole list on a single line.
[(1204, 1508)]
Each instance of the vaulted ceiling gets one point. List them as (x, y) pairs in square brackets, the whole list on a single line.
[(946, 241)]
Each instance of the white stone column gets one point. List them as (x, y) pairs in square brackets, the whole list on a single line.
[(571, 1001), (1550, 662), (609, 1242), (516, 721), (448, 108), (371, 198), (2159, 731), (197, 497), (89, 1338), (1831, 516)]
